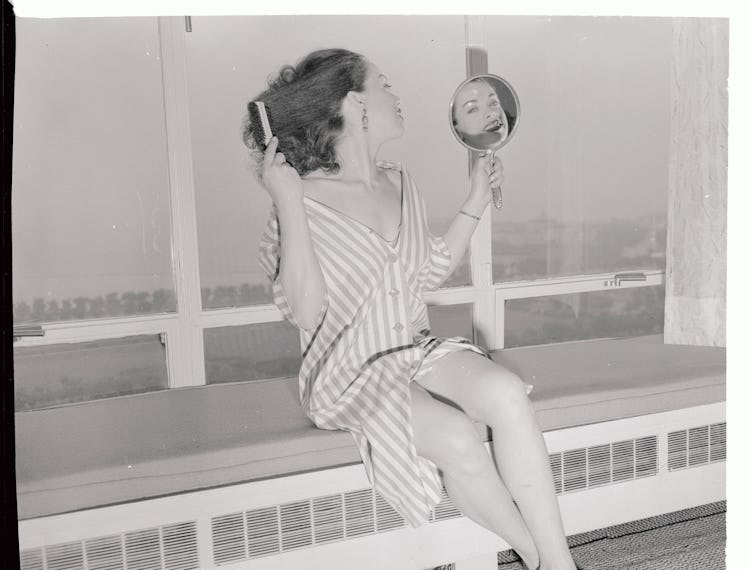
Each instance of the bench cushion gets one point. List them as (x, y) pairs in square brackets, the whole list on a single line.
[(147, 445)]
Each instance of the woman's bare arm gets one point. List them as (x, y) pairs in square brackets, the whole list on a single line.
[(300, 273), (483, 177)]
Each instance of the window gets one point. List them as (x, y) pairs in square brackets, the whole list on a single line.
[(67, 373), (633, 311), (587, 172), (137, 217), (251, 352), (91, 216)]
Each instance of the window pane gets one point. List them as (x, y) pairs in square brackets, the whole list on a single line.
[(586, 175), (267, 350), (224, 75), (91, 222), (627, 312), (452, 320), (65, 373)]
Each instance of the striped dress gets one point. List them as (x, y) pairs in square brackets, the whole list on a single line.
[(371, 339)]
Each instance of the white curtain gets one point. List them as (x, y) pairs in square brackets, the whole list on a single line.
[(696, 267)]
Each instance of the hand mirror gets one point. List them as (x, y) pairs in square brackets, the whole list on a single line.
[(483, 114)]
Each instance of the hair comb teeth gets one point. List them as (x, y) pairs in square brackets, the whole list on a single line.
[(259, 116)]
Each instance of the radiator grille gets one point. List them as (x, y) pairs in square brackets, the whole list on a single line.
[(327, 515), (301, 524), (170, 547), (271, 530), (296, 525), (359, 513), (616, 462), (65, 556), (697, 446), (104, 553)]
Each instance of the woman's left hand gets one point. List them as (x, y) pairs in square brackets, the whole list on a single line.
[(486, 177)]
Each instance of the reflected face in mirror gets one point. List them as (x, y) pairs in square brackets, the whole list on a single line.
[(484, 112), (478, 115)]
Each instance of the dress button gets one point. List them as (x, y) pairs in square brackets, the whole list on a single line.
[(394, 292), (392, 258), (398, 327)]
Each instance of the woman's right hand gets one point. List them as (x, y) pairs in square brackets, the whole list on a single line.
[(279, 178)]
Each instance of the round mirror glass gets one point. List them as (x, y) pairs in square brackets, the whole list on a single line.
[(484, 112)]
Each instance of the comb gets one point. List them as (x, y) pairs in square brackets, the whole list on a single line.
[(259, 115)]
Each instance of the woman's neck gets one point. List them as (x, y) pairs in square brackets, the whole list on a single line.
[(357, 159)]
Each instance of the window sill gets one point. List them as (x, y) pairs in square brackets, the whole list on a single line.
[(135, 447)]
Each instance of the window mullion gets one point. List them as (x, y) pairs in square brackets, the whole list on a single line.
[(185, 349), (484, 323)]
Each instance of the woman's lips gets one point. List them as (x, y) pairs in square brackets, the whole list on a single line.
[(493, 126)]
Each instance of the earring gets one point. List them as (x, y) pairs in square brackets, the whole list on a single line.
[(365, 121)]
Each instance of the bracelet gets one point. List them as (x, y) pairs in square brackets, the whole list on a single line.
[(470, 215)]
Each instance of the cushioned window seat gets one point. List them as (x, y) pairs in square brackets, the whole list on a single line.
[(136, 447)]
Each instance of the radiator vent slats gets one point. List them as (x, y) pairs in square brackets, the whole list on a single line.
[(599, 461), (717, 442), (263, 531), (169, 547), (229, 540), (359, 513), (67, 556), (387, 517), (327, 517), (587, 467), (296, 525), (142, 550), (696, 446), (180, 546), (446, 509), (105, 553), (574, 469), (32, 559)]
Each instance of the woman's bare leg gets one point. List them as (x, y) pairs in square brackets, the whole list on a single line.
[(488, 392), (447, 437)]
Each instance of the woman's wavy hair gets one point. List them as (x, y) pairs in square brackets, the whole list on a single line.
[(304, 108)]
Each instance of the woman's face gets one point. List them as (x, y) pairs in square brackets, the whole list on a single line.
[(477, 111), (382, 105)]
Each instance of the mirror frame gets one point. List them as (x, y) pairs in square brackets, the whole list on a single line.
[(493, 78)]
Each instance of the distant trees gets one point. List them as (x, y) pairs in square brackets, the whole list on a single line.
[(521, 250), (135, 303)]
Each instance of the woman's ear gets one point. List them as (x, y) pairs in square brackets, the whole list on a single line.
[(353, 106), (356, 99)]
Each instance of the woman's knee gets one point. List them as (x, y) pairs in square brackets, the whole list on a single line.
[(459, 447), (501, 396)]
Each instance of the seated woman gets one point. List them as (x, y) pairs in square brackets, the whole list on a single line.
[(349, 252)]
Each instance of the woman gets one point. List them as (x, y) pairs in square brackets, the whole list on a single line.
[(478, 116), (350, 255)]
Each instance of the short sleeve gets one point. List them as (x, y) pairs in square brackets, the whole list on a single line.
[(269, 260), (436, 268)]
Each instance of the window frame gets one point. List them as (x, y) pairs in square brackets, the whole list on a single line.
[(182, 332)]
